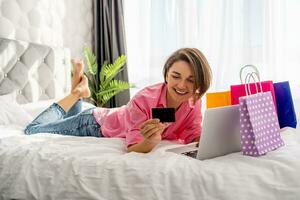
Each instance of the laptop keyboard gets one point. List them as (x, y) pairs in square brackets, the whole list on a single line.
[(192, 154)]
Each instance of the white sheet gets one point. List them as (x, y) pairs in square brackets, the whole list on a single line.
[(12, 112), (46, 166)]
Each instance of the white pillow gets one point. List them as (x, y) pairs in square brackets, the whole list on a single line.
[(11, 112), (11, 97), (34, 109)]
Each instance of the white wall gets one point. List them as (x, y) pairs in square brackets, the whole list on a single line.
[(78, 25), (67, 23)]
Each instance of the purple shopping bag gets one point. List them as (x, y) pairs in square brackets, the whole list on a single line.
[(259, 124)]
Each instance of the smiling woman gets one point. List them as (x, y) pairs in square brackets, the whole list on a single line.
[(180, 84), (187, 74), (187, 77)]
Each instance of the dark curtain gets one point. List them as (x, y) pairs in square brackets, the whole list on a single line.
[(109, 40)]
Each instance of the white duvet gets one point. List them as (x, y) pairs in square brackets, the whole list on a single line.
[(46, 166)]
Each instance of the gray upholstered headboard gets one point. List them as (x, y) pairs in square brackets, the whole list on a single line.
[(36, 72)]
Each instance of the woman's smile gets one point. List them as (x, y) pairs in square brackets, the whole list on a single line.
[(180, 92), (180, 83)]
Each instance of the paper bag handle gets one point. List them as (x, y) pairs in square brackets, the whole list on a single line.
[(249, 66), (247, 82)]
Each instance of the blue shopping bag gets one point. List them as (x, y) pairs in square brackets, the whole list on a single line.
[(285, 106)]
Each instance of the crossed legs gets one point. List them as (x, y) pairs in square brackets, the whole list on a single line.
[(65, 117), (80, 88)]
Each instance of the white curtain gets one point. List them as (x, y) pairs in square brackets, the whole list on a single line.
[(231, 33)]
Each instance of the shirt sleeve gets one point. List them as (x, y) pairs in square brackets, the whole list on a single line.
[(193, 128), (137, 115)]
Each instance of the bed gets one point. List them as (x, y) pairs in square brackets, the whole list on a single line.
[(48, 166)]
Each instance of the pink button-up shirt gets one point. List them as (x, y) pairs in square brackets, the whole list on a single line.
[(124, 121)]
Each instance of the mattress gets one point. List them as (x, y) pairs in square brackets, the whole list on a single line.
[(49, 166)]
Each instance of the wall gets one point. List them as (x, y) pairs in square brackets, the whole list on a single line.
[(67, 23)]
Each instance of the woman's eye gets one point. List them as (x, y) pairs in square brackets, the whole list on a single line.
[(191, 81), (176, 77)]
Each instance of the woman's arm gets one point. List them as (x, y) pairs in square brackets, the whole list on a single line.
[(142, 147)]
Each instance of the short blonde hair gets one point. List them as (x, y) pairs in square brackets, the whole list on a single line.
[(199, 65)]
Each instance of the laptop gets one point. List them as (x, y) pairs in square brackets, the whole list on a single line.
[(220, 134)]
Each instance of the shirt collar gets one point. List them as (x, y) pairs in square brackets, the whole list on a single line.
[(163, 96)]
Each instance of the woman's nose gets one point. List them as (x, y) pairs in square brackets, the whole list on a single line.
[(181, 84)]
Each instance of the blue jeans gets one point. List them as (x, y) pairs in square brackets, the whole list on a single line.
[(75, 122)]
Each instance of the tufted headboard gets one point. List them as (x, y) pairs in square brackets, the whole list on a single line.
[(36, 72)]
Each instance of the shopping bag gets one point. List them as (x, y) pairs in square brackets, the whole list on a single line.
[(218, 99), (285, 106), (238, 90), (260, 132)]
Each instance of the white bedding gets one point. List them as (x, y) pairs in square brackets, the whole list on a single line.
[(46, 166)]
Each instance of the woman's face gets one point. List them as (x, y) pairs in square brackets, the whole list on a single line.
[(180, 83)]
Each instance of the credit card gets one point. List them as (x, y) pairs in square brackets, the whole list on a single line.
[(164, 114)]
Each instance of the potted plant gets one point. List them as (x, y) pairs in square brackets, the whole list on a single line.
[(107, 87)]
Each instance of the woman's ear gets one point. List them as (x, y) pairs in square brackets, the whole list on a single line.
[(196, 97), (166, 77)]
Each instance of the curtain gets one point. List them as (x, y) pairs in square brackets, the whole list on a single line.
[(110, 40), (230, 33)]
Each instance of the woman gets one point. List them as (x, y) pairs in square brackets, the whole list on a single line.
[(187, 76)]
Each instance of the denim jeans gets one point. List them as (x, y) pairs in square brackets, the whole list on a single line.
[(75, 122)]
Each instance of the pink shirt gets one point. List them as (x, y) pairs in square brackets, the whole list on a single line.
[(124, 121)]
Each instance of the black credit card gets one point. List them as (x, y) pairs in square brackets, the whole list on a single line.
[(164, 114)]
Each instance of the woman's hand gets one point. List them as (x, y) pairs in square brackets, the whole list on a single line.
[(152, 130)]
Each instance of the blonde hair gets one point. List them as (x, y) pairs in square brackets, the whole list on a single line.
[(199, 65)]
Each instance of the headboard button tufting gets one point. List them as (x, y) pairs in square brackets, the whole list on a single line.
[(27, 72)]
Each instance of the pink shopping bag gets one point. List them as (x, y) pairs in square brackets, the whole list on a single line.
[(238, 90)]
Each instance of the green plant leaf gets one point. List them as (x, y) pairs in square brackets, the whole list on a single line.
[(103, 89), (114, 88), (101, 73), (91, 60), (115, 85), (111, 70)]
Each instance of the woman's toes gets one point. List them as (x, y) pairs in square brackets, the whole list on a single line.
[(77, 68), (82, 89)]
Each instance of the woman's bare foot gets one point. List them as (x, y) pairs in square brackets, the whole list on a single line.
[(82, 89), (78, 67)]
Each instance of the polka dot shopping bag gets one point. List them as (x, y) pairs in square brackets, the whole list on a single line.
[(259, 123)]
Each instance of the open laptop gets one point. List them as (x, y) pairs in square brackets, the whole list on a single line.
[(220, 134)]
